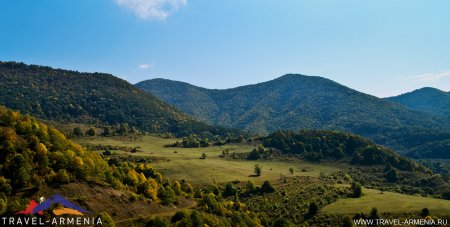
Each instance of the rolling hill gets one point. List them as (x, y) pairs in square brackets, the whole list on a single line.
[(93, 98), (294, 102), (429, 100), (37, 159)]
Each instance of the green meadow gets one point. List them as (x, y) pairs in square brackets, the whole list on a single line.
[(184, 163), (391, 202)]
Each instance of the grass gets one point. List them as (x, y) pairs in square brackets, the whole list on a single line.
[(185, 163), (387, 202)]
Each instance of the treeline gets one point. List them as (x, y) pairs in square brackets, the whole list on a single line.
[(318, 145), (194, 140)]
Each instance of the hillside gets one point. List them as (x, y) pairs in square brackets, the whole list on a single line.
[(429, 100), (294, 102), (93, 98), (36, 160)]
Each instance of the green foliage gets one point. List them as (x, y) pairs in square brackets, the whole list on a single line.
[(429, 100), (291, 170), (167, 195), (392, 176), (106, 220), (258, 170), (266, 187), (158, 222), (229, 190), (70, 96), (91, 132), (40, 155), (294, 102), (78, 132), (317, 145), (203, 156), (424, 212), (3, 206), (356, 190), (446, 195), (254, 155), (313, 209)]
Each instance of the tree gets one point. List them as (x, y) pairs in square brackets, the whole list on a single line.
[(347, 222), (425, 212), (291, 170), (446, 195), (258, 170), (250, 186), (78, 132), (313, 209), (21, 171), (254, 155), (91, 132), (3, 206), (62, 176), (229, 190), (356, 189), (374, 213), (266, 187), (392, 176)]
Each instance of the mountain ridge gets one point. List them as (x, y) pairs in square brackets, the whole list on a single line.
[(295, 102), (427, 99), (94, 98)]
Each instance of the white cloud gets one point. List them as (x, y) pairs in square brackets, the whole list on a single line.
[(145, 66), (152, 9), (431, 77)]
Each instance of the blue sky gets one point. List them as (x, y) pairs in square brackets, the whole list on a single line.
[(378, 47)]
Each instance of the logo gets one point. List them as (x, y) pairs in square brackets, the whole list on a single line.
[(65, 213), (68, 209)]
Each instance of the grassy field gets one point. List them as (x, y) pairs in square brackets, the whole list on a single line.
[(185, 163), (387, 202)]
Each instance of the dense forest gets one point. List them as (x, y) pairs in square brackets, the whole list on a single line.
[(92, 98), (317, 145), (429, 100), (294, 102)]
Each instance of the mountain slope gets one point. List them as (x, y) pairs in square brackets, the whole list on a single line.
[(297, 102), (70, 96), (429, 100)]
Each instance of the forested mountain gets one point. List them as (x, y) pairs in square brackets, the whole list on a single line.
[(429, 100), (294, 102), (70, 96)]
